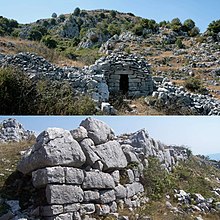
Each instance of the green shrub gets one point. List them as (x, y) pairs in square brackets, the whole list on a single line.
[(194, 84), (113, 13), (17, 94), (179, 43), (49, 41)]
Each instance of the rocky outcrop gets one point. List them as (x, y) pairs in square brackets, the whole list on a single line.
[(12, 131), (87, 170)]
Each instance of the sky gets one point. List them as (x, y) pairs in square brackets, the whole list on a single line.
[(200, 134), (201, 11)]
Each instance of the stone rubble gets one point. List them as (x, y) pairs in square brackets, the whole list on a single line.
[(169, 94), (85, 171), (12, 131)]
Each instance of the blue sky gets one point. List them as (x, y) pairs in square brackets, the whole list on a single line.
[(200, 134), (201, 11)]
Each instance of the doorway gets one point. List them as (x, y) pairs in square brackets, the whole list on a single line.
[(124, 83)]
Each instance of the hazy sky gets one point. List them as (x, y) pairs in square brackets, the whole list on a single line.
[(201, 11), (200, 134)]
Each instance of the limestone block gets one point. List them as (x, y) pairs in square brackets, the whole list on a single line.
[(64, 194), (42, 177), (116, 176), (74, 175), (97, 130), (102, 210), (134, 188), (71, 207), (51, 210), (111, 155), (120, 192), (98, 180), (107, 196), (79, 134), (54, 147), (87, 147), (87, 208), (90, 196)]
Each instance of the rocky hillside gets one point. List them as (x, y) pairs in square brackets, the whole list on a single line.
[(89, 173), (175, 50)]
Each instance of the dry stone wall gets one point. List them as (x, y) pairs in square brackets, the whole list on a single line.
[(88, 170)]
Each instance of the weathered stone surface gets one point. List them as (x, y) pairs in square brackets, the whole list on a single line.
[(79, 134), (88, 149), (51, 210), (87, 208), (64, 194), (107, 196), (111, 155), (54, 147), (102, 209), (42, 177), (66, 216), (134, 188), (120, 192), (97, 130), (74, 175), (71, 207), (130, 175), (116, 176), (90, 196), (98, 180)]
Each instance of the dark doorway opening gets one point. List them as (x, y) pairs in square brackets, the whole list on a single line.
[(124, 83)]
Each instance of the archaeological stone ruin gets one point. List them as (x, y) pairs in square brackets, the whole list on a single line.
[(126, 74), (89, 171)]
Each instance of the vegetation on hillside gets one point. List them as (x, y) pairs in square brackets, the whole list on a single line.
[(21, 95)]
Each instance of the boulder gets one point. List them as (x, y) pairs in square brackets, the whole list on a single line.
[(54, 147), (98, 180), (111, 155), (97, 130)]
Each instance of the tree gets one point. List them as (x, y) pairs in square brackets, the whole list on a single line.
[(214, 27), (194, 32), (76, 12), (37, 32), (188, 25), (54, 15), (176, 25)]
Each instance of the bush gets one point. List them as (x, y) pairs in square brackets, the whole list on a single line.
[(17, 94), (49, 41), (37, 32), (113, 13), (193, 84), (179, 43)]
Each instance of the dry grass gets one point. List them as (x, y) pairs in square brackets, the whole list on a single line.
[(9, 157), (11, 45)]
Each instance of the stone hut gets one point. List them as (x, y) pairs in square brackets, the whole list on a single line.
[(126, 74)]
